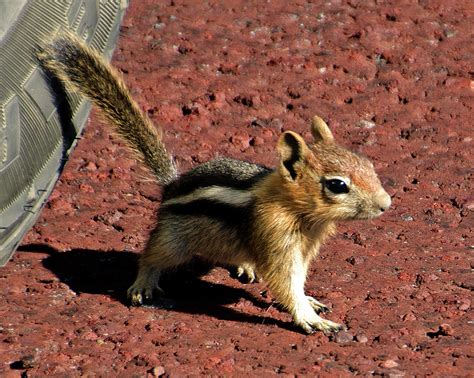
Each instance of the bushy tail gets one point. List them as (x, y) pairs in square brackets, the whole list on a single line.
[(83, 69)]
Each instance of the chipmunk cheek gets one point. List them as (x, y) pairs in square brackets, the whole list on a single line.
[(347, 210), (362, 208), (365, 213)]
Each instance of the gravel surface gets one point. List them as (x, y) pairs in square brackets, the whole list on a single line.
[(395, 82)]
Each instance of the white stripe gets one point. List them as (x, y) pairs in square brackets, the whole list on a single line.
[(221, 194)]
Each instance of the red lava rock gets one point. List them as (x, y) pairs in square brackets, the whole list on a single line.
[(393, 83), (212, 361), (458, 83), (446, 329), (15, 290), (90, 336), (443, 330), (470, 206), (241, 141), (10, 340), (405, 277), (85, 188), (258, 141), (424, 295), (60, 205), (183, 328), (355, 260), (409, 317), (343, 337), (465, 304), (394, 373), (228, 366), (334, 295), (110, 218), (431, 278), (90, 166), (27, 362), (11, 374)]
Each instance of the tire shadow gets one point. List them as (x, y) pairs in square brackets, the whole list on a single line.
[(62, 104), (111, 274)]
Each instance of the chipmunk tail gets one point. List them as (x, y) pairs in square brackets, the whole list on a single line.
[(83, 69)]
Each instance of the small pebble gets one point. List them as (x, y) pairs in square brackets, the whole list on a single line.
[(409, 317), (343, 337), (85, 188), (366, 124), (389, 364), (355, 260), (396, 374), (469, 205), (90, 167), (465, 304), (158, 371), (361, 339), (28, 362), (446, 330)]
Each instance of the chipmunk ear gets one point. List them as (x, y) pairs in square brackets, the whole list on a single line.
[(293, 152), (321, 131)]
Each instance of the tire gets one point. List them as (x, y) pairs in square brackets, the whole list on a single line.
[(37, 130)]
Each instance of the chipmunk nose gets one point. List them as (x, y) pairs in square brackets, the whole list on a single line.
[(383, 200)]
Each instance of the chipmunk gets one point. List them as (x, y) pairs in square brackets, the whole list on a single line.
[(269, 223)]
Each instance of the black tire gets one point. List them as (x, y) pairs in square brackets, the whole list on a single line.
[(37, 135)]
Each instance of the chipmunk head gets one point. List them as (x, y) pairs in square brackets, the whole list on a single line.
[(327, 181)]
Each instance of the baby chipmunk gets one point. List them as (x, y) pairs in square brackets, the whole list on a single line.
[(266, 222)]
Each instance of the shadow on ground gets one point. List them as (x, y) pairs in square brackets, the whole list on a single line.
[(111, 274)]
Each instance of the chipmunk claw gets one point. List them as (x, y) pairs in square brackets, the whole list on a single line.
[(138, 295), (246, 274), (307, 328), (318, 306), (333, 329), (329, 328)]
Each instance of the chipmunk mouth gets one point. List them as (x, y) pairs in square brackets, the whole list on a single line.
[(365, 215)]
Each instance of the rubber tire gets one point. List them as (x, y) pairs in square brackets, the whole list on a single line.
[(38, 130)]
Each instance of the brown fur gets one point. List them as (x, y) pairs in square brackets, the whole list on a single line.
[(286, 214)]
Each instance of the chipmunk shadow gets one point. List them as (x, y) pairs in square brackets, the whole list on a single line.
[(111, 273)]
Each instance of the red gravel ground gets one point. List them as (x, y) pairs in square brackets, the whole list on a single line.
[(395, 82)]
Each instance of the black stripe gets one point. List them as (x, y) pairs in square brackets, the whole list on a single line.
[(225, 172), (229, 215)]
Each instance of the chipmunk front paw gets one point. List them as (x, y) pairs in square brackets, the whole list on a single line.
[(306, 318), (326, 326), (317, 305)]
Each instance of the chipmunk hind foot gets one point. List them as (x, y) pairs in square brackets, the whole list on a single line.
[(246, 273), (144, 287)]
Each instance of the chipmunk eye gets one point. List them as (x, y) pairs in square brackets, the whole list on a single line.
[(336, 186)]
